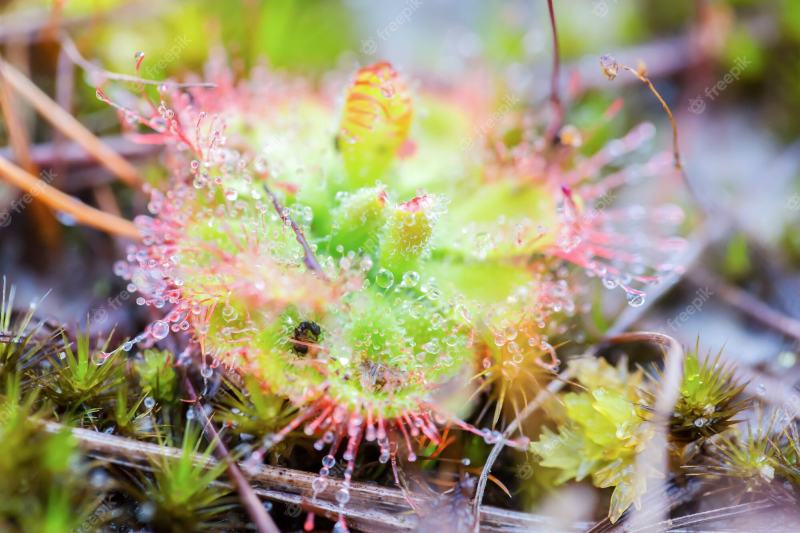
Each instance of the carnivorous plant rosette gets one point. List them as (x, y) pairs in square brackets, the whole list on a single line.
[(378, 259)]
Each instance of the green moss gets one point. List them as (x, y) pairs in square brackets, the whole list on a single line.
[(180, 495), (82, 374), (601, 432), (605, 425), (157, 376), (42, 476), (710, 398)]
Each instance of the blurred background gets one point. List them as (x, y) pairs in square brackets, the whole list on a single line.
[(730, 71)]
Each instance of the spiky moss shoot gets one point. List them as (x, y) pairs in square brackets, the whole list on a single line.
[(130, 416), (181, 494), (601, 431), (603, 427), (755, 460), (251, 411), (82, 375), (23, 340), (710, 399), (745, 458), (789, 456), (157, 376)]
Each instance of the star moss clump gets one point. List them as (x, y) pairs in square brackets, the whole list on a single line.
[(603, 426), (601, 431)]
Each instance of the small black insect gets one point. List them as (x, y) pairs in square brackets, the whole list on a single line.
[(305, 333)]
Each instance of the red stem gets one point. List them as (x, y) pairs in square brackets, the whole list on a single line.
[(308, 255), (251, 502), (555, 75)]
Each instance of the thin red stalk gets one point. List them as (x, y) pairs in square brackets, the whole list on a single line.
[(308, 255), (251, 502), (676, 154), (555, 76)]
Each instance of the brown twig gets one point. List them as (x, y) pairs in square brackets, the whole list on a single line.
[(59, 201), (50, 154), (46, 225), (262, 520), (70, 126), (17, 136), (65, 86), (371, 507), (105, 199), (553, 387), (308, 254)]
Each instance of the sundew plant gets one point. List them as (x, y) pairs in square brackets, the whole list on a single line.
[(378, 291), (359, 266)]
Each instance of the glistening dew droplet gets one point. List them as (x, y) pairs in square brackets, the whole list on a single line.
[(342, 496), (160, 329), (410, 279), (384, 279), (636, 299)]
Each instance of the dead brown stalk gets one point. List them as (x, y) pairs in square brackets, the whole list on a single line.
[(60, 201), (69, 125)]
